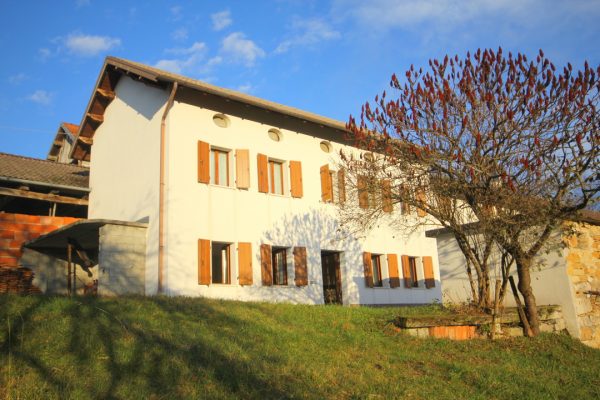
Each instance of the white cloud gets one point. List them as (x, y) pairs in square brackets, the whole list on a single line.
[(307, 33), (90, 45), (237, 48), (197, 47), (41, 97), (221, 20), (180, 34), (17, 78), (82, 3), (189, 59)]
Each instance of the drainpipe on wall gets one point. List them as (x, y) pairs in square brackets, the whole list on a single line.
[(161, 194)]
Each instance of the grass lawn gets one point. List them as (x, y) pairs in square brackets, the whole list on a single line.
[(168, 348)]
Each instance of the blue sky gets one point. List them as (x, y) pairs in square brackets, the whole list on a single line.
[(327, 57)]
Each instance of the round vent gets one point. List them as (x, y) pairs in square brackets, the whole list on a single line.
[(221, 120), (275, 135), (325, 146)]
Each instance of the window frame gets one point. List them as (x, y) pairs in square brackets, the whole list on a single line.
[(271, 163), (275, 273), (376, 270), (229, 267), (412, 265), (214, 166)]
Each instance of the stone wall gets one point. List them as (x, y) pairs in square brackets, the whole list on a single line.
[(583, 269)]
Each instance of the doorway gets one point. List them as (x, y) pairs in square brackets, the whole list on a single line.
[(332, 277)]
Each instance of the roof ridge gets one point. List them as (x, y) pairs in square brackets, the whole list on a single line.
[(42, 160), (240, 95)]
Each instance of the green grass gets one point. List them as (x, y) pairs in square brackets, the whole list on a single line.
[(165, 348)]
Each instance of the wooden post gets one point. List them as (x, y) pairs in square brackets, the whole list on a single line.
[(522, 316), (69, 260)]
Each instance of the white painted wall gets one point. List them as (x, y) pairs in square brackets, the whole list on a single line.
[(124, 175), (227, 214), (549, 279)]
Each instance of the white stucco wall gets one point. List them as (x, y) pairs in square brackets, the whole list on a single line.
[(226, 214), (124, 174), (549, 279)]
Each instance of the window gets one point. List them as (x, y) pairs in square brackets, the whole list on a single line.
[(221, 263), (412, 265), (333, 189), (219, 167), (279, 263), (275, 177), (376, 263)]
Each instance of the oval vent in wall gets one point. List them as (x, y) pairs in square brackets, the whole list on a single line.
[(221, 120), (275, 134)]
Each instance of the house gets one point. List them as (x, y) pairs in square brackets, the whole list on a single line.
[(236, 198), (567, 274), (36, 197), (60, 150)]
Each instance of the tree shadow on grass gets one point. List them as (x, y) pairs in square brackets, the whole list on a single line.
[(107, 357)]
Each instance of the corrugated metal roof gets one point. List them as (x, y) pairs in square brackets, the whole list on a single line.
[(49, 172)]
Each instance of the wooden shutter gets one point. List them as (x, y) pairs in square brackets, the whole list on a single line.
[(392, 260), (421, 197), (386, 195), (245, 263), (242, 168), (203, 262), (428, 272), (363, 193), (368, 264), (406, 272), (301, 273), (341, 185), (203, 162), (263, 173), (405, 207), (296, 178), (266, 270), (326, 187)]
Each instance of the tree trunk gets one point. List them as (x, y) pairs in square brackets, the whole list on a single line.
[(523, 271)]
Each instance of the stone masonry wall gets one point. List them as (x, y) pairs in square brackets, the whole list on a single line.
[(583, 268)]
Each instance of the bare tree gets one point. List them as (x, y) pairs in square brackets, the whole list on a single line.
[(511, 140)]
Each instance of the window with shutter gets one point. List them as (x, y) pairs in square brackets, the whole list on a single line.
[(219, 167), (203, 162), (242, 169), (245, 263), (326, 184), (265, 265), (367, 261), (406, 272), (221, 263), (428, 272), (300, 268), (363, 193), (296, 179), (204, 262), (392, 260), (263, 173)]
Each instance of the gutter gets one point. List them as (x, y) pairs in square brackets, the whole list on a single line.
[(161, 194), (44, 184)]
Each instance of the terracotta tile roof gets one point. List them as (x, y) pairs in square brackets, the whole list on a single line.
[(48, 172), (73, 129)]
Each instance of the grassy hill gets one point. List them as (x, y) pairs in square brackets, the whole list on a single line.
[(164, 348)]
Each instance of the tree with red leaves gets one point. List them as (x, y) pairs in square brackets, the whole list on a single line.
[(510, 139)]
